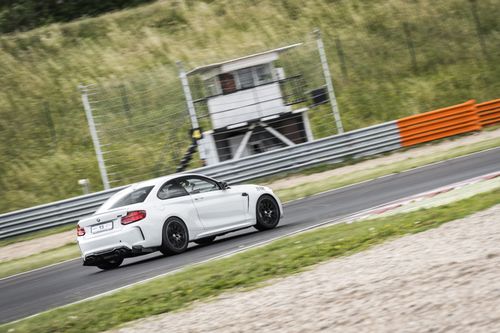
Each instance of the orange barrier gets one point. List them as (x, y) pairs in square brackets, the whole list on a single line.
[(439, 124), (489, 112)]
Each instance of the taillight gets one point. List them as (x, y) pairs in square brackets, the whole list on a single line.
[(133, 216), (80, 231)]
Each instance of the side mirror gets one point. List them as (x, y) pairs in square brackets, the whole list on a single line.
[(224, 185)]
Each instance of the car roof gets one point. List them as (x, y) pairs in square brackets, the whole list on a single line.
[(151, 182), (162, 180)]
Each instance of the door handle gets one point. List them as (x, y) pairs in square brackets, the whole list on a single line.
[(244, 194), (199, 198)]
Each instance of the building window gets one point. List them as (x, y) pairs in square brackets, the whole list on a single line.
[(212, 86), (245, 77), (241, 79), (263, 74), (227, 83)]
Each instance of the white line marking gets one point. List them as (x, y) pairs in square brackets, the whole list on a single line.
[(225, 255), (37, 269), (388, 175), (344, 219)]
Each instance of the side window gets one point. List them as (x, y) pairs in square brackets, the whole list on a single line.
[(136, 196), (194, 185), (172, 189)]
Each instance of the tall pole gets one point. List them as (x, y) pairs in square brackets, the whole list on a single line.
[(328, 80), (187, 94), (95, 137)]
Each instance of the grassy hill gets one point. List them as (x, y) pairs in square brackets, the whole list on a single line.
[(388, 59)]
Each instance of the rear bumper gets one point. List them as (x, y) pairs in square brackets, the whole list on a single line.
[(98, 257), (111, 244)]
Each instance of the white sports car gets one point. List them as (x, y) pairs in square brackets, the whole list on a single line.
[(167, 213)]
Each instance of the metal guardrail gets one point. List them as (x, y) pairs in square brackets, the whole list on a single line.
[(363, 142), (367, 141), (489, 112), (437, 124), (53, 214)]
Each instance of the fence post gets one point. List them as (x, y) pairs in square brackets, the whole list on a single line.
[(95, 136), (187, 94), (329, 84)]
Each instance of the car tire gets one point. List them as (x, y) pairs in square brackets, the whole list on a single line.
[(175, 237), (110, 264), (267, 213), (205, 240)]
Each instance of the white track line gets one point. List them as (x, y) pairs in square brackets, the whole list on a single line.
[(37, 269), (301, 198), (344, 219), (385, 176)]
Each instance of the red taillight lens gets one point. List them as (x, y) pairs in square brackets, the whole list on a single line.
[(80, 231), (133, 216)]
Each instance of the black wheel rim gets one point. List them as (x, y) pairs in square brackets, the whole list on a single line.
[(176, 235), (268, 211)]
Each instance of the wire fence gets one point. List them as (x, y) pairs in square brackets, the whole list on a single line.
[(142, 125), (144, 128), (383, 68)]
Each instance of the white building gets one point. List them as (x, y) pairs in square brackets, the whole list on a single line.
[(253, 107)]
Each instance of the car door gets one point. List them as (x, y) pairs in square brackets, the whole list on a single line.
[(217, 208), (174, 200)]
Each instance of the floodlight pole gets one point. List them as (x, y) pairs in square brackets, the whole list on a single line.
[(328, 80), (187, 94), (95, 137)]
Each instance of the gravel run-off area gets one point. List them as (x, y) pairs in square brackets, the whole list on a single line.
[(443, 280)]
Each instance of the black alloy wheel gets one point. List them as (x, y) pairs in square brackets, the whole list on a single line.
[(268, 213), (175, 236)]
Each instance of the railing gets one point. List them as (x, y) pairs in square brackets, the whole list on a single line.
[(293, 90), (367, 141), (489, 112), (333, 149), (53, 214), (372, 140), (439, 124)]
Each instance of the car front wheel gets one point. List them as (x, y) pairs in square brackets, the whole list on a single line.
[(268, 213)]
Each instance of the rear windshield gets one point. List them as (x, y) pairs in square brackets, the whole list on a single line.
[(136, 196)]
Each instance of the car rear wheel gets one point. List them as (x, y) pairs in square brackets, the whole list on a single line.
[(175, 237), (268, 213), (205, 240), (110, 263)]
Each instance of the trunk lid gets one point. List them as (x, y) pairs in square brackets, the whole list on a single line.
[(103, 222)]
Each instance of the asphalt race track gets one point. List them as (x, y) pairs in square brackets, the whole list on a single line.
[(43, 289)]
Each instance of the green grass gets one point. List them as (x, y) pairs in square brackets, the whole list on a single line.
[(491, 128), (45, 146), (245, 270), (38, 260), (311, 188)]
